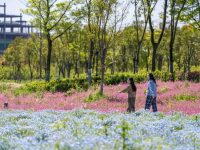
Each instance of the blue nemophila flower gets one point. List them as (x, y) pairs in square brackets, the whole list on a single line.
[(87, 129)]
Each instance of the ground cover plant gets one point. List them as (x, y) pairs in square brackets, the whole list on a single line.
[(87, 129)]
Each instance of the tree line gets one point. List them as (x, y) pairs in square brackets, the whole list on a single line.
[(92, 37)]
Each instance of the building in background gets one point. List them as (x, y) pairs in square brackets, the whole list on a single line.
[(12, 26)]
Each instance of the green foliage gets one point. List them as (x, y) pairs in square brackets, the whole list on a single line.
[(94, 97), (21, 91), (79, 84), (5, 73), (24, 132), (62, 124), (124, 133), (4, 145), (163, 90), (3, 87), (178, 128), (162, 75), (186, 97), (139, 77)]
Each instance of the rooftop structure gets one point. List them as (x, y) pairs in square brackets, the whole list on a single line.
[(12, 26)]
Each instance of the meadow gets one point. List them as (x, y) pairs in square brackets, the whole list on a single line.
[(84, 120), (179, 96)]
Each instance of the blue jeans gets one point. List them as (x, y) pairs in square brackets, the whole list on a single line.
[(151, 101)]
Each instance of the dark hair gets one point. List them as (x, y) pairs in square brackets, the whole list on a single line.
[(132, 84), (151, 77)]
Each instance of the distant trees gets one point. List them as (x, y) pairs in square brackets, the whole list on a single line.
[(90, 37), (49, 14)]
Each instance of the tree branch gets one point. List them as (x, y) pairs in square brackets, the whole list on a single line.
[(62, 15), (66, 29)]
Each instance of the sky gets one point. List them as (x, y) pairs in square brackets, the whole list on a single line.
[(15, 7)]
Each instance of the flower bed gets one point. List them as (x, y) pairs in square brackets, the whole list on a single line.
[(86, 129)]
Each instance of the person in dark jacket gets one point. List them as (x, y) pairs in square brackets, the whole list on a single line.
[(131, 90), (151, 94)]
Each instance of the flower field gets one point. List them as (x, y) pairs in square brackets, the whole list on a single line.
[(172, 96), (87, 129), (62, 121)]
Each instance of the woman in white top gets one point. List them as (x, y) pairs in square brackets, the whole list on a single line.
[(151, 93)]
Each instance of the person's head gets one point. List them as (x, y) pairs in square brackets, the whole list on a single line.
[(151, 77), (132, 84)]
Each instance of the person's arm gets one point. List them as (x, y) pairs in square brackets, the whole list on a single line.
[(125, 90)]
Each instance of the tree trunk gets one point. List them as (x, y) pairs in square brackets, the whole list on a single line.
[(113, 62), (147, 59), (75, 68), (63, 70), (188, 64), (97, 63), (133, 58), (59, 71), (102, 70), (160, 62), (124, 65), (138, 56), (48, 69), (40, 54), (171, 60), (90, 62), (153, 42), (155, 46), (68, 69), (30, 69)]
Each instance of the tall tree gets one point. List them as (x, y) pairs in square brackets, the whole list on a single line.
[(140, 8), (90, 14), (151, 5), (103, 14), (50, 13), (176, 7)]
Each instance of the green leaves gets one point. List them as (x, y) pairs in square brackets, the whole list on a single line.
[(191, 13)]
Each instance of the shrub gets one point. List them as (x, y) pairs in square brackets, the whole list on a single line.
[(194, 76), (21, 91), (3, 87), (81, 83), (184, 97), (190, 76)]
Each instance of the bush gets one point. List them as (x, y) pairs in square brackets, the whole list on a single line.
[(190, 76), (80, 84), (184, 97), (194, 76), (55, 85)]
